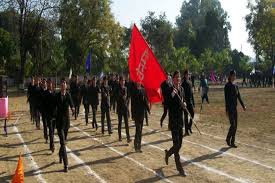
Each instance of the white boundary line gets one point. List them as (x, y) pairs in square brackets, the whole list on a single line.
[(209, 169), (222, 153), (81, 162), (33, 164), (217, 137), (123, 154)]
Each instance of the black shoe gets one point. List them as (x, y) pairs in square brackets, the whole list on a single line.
[(182, 173), (233, 145), (52, 149), (190, 130), (166, 157), (228, 142), (186, 134), (129, 140), (66, 169)]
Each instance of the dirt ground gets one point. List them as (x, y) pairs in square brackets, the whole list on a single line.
[(94, 157)]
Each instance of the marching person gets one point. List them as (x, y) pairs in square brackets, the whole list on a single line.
[(84, 97), (37, 101), (113, 83), (75, 94), (105, 105), (50, 97), (204, 89), (122, 108), (189, 98), (30, 98), (176, 105), (165, 85), (43, 107), (93, 98), (139, 104), (63, 101), (231, 94)]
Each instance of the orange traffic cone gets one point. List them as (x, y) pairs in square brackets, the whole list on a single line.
[(19, 173)]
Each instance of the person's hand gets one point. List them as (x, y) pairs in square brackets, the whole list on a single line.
[(174, 92), (183, 104), (244, 108)]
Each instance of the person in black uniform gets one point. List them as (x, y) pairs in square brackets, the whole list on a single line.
[(30, 98), (231, 94), (189, 98), (50, 99), (93, 92), (75, 94), (37, 102), (105, 105), (43, 107), (111, 83), (139, 105), (63, 102), (176, 105), (84, 97), (122, 109), (165, 85)]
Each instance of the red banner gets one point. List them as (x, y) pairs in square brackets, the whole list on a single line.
[(144, 67)]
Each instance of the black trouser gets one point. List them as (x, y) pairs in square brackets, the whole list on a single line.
[(113, 103), (205, 96), (191, 111), (31, 111), (76, 106), (36, 117), (51, 126), (165, 110), (123, 114), (138, 135), (233, 118), (106, 112), (146, 117), (87, 110), (177, 135), (94, 109), (45, 128), (62, 150)]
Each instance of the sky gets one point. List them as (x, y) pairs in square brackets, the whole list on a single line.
[(128, 12)]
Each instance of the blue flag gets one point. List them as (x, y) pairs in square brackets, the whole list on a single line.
[(88, 63)]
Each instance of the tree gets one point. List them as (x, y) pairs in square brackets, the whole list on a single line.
[(261, 29), (89, 25), (202, 25), (7, 49), (25, 12), (158, 31)]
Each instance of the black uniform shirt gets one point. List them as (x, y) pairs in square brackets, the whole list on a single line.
[(231, 93)]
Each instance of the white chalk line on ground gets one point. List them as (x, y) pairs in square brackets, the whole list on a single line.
[(215, 171), (123, 154), (34, 166), (84, 165), (222, 153), (220, 138), (77, 159), (207, 168)]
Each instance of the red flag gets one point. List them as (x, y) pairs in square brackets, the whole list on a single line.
[(144, 67)]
